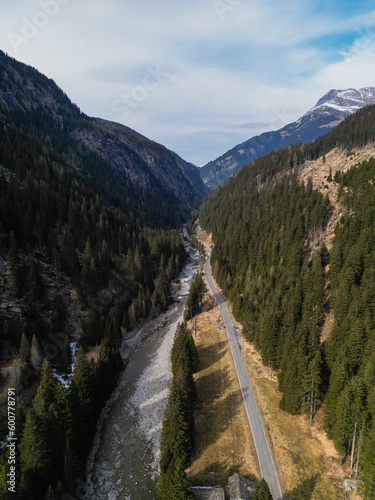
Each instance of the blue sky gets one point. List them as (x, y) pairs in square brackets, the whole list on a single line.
[(199, 76)]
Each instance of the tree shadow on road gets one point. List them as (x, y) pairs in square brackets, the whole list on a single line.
[(304, 490)]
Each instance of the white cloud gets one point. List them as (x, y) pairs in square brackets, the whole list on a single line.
[(260, 62)]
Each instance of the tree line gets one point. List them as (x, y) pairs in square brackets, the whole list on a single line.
[(178, 426), (177, 442), (50, 216), (262, 223), (68, 222), (54, 436), (350, 408), (278, 295)]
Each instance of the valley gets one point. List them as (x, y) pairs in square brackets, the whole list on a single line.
[(139, 371), (307, 462), (224, 442), (124, 462)]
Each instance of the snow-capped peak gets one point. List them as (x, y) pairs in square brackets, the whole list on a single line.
[(345, 101)]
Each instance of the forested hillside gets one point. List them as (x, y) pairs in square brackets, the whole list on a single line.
[(86, 253), (263, 222), (329, 111), (350, 410), (133, 172)]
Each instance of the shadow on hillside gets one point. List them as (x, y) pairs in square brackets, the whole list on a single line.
[(211, 354), (303, 491), (215, 412), (218, 473)]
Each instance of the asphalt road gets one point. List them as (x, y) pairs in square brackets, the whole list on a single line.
[(266, 463)]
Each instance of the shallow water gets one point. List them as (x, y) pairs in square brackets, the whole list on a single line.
[(126, 463)]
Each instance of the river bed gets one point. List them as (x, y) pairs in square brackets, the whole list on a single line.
[(124, 462)]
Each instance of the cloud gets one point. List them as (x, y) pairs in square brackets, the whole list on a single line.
[(248, 125), (232, 69)]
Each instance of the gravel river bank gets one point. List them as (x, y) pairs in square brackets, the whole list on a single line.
[(124, 462)]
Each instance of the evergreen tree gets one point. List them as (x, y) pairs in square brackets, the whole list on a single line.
[(194, 299), (173, 484), (368, 468), (262, 491), (15, 262), (55, 493), (43, 440), (24, 349), (36, 356)]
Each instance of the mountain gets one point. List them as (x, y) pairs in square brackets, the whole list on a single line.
[(136, 173), (293, 249), (89, 247), (329, 111)]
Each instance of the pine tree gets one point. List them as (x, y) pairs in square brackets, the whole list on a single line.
[(83, 382), (262, 491), (36, 356), (34, 456), (194, 299), (162, 290), (88, 274), (15, 262), (55, 493), (43, 440), (173, 484), (24, 349), (368, 468), (312, 384)]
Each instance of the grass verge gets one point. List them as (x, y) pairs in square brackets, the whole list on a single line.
[(224, 444), (307, 462)]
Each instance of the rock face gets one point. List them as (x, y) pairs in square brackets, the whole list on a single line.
[(350, 484), (240, 488), (142, 162), (156, 183), (329, 111), (206, 493)]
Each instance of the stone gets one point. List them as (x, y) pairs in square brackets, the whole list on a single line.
[(241, 488), (208, 493), (350, 484)]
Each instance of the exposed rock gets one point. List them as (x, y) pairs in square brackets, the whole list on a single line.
[(11, 307), (350, 484), (330, 110), (240, 488), (208, 493), (147, 174)]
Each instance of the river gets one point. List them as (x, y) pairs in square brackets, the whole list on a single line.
[(124, 462)]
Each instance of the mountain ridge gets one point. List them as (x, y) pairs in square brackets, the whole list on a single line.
[(329, 111), (140, 168), (293, 252)]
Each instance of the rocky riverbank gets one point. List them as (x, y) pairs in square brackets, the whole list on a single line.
[(124, 462)]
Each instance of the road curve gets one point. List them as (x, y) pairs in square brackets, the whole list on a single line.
[(266, 463)]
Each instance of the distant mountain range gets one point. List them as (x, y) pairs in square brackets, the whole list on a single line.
[(140, 175), (329, 111)]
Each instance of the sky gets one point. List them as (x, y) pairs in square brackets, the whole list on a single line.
[(199, 76)]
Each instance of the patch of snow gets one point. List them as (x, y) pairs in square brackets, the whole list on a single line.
[(346, 101)]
